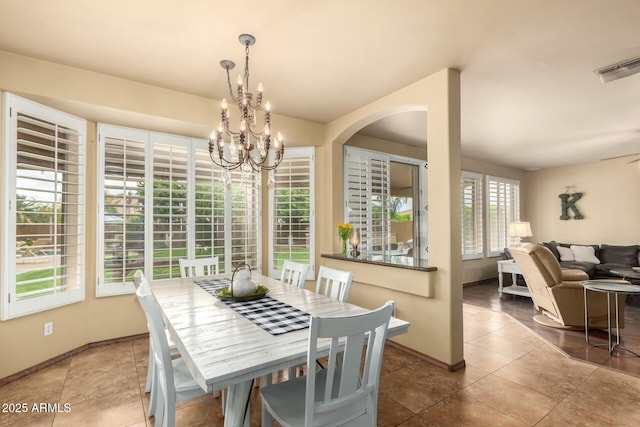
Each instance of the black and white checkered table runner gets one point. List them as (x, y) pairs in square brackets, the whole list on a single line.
[(275, 317)]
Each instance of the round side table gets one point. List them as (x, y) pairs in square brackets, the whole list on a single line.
[(609, 287)]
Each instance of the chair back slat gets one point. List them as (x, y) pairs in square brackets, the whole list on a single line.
[(350, 387), (334, 283), (198, 267), (294, 273)]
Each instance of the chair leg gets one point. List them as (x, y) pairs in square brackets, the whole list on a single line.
[(267, 420), (153, 396), (292, 372), (170, 410), (150, 371), (159, 412)]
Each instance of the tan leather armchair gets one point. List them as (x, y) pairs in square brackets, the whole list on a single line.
[(558, 293)]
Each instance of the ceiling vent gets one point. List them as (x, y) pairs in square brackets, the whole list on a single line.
[(619, 70)]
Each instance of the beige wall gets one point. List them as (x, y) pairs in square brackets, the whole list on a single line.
[(485, 268), (389, 147), (440, 95), (610, 203), (118, 101)]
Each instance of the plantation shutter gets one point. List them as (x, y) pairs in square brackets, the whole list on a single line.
[(503, 207), (44, 233), (243, 208), (162, 192), (471, 215), (123, 228), (209, 210), (170, 206), (291, 211), (367, 197)]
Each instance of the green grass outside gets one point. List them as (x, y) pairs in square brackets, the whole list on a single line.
[(45, 280), (46, 274), (298, 255)]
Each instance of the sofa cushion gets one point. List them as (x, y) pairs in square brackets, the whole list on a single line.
[(584, 254), (625, 255), (566, 254), (587, 267), (603, 269)]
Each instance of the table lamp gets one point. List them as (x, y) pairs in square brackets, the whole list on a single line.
[(520, 229), (354, 240)]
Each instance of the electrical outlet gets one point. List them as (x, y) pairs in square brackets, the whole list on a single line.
[(48, 328)]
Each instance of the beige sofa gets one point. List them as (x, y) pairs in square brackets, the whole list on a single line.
[(558, 293)]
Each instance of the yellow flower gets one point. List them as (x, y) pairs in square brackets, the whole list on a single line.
[(344, 231)]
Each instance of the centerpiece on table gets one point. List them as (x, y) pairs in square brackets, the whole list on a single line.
[(242, 288), (344, 232)]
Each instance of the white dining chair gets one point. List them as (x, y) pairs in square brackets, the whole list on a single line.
[(172, 380), (294, 273), (197, 267), (138, 279), (334, 283), (346, 392)]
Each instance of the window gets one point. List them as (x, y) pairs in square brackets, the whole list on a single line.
[(367, 197), (193, 210), (471, 215), (374, 194), (122, 225), (291, 211), (227, 214), (170, 204), (503, 207), (43, 220)]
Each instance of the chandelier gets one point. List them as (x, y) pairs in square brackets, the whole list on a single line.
[(248, 147)]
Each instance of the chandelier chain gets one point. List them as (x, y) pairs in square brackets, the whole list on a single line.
[(246, 64)]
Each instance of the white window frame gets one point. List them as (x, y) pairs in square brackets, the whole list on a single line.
[(11, 306), (511, 213), (193, 145), (419, 248), (477, 206), (295, 153)]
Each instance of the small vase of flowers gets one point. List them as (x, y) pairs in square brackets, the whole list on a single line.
[(344, 231)]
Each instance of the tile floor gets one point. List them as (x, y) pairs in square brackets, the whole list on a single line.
[(512, 378), (571, 342)]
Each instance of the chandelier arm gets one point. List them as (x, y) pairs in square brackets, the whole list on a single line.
[(229, 166)]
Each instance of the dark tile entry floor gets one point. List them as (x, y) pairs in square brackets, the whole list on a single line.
[(571, 343)]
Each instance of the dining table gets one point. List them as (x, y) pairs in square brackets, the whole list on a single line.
[(225, 348)]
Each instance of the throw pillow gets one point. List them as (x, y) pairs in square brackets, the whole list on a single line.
[(585, 254), (566, 254), (552, 245)]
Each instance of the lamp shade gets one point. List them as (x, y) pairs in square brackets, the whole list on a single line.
[(520, 229), (354, 239)]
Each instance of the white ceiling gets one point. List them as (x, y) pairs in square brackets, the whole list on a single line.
[(529, 95)]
